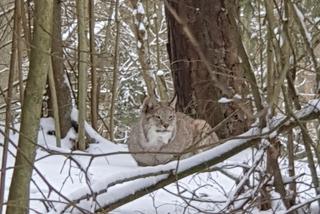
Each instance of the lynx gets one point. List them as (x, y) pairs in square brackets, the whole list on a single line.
[(161, 134)]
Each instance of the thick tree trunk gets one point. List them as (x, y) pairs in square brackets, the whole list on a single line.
[(202, 68), (62, 88), (18, 201)]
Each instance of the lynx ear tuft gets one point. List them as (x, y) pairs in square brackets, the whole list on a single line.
[(148, 104)]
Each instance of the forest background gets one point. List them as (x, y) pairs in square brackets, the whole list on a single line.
[(244, 66)]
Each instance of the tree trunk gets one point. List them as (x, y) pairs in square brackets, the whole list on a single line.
[(62, 88), (55, 107), (94, 79), (114, 88), (140, 31), (204, 61), (18, 201), (83, 50)]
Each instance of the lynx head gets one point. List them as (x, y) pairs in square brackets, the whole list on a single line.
[(159, 116)]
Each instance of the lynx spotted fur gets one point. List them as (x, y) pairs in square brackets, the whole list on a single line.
[(161, 134)]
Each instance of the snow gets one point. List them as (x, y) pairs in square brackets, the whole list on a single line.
[(314, 207), (311, 106), (237, 96), (227, 100), (104, 174), (99, 26), (160, 72), (139, 44), (142, 27), (273, 134), (107, 171), (314, 105), (66, 34), (281, 40), (224, 100), (140, 9)]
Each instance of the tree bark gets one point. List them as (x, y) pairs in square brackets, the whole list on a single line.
[(161, 82), (18, 201), (115, 71), (62, 88), (83, 50), (55, 107), (94, 79), (140, 31), (201, 81)]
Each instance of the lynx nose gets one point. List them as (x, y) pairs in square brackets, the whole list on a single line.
[(166, 125)]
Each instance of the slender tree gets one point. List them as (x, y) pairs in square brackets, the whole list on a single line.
[(162, 89), (140, 31), (83, 50), (115, 71), (55, 108), (94, 78), (18, 201)]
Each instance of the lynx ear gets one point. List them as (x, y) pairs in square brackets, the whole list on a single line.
[(173, 102), (148, 104)]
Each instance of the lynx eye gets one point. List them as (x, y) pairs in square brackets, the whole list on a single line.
[(171, 117)]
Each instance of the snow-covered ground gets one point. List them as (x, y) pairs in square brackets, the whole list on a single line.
[(68, 177)]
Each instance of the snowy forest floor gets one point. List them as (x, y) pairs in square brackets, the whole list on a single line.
[(78, 174)]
